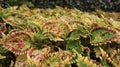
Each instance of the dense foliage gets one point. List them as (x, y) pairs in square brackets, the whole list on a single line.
[(59, 37), (84, 5)]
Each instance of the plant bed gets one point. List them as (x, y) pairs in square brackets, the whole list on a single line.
[(59, 37)]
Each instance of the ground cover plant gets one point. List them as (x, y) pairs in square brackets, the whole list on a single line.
[(59, 37)]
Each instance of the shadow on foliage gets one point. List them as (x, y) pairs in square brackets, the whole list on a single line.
[(83, 5)]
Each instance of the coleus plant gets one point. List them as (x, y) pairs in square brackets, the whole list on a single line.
[(59, 37)]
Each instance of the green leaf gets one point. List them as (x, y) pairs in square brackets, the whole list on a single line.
[(102, 35), (74, 44), (2, 57), (81, 64), (74, 35)]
